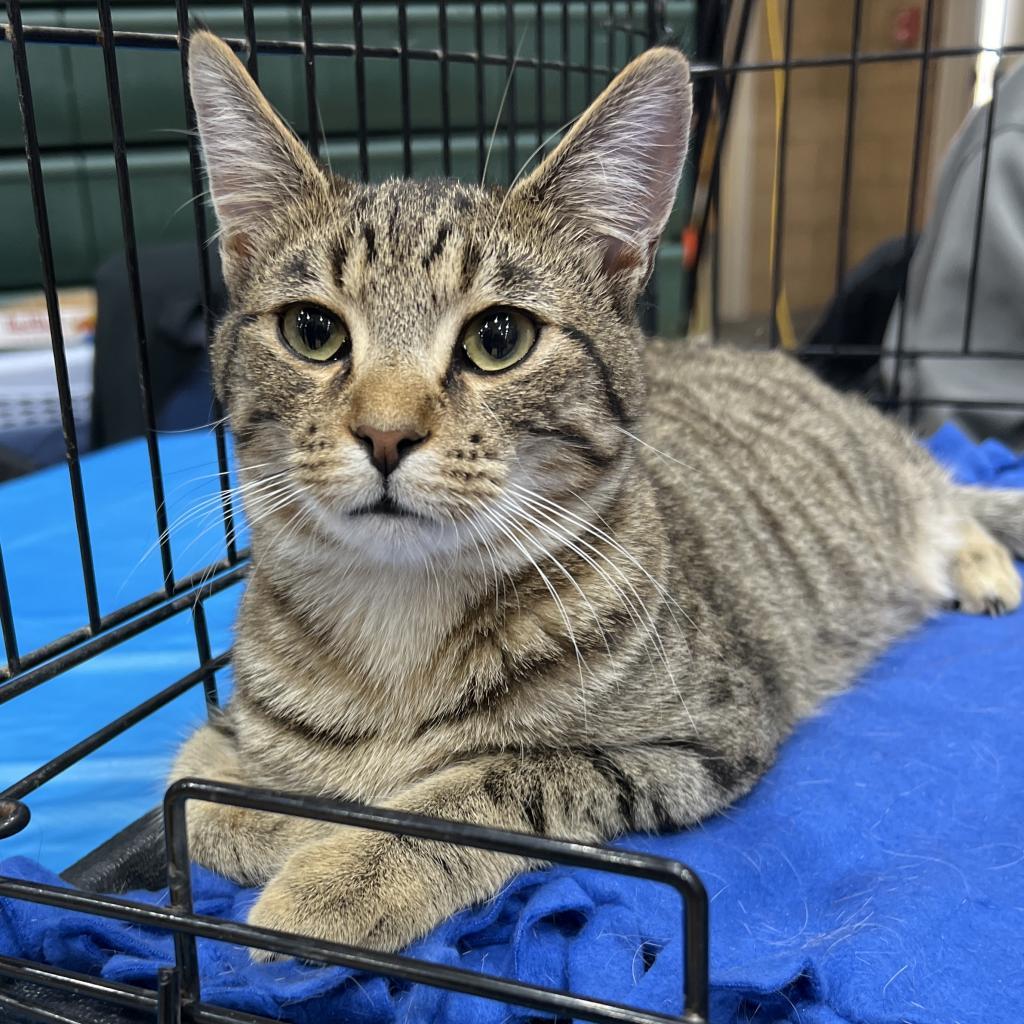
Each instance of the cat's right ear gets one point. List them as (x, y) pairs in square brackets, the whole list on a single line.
[(617, 170), (254, 163)]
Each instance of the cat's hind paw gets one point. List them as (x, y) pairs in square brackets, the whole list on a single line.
[(985, 580)]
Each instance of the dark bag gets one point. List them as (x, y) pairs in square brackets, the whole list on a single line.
[(857, 318), (176, 343)]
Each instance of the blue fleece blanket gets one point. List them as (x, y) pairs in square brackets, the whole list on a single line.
[(875, 875)]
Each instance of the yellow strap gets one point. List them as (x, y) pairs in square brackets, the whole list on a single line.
[(787, 335), (700, 320)]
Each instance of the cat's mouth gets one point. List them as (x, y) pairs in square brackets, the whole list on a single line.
[(387, 506)]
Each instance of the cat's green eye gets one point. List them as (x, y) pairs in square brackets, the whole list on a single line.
[(498, 338), (314, 332)]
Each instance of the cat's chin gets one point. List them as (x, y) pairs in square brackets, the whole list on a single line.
[(389, 508), (389, 534), (413, 547), (383, 531)]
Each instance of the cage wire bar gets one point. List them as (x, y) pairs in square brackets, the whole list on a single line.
[(179, 989), (779, 197), (711, 39), (403, 70), (979, 217), (7, 621), (203, 258), (359, 52), (509, 97), (555, 59), (131, 255), (35, 174), (445, 88), (851, 121), (481, 117), (252, 54), (309, 63), (893, 395)]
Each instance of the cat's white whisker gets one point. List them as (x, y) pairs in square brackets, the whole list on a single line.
[(526, 163), (294, 521), (201, 510), (212, 425), (580, 661), (509, 78), (609, 539), (670, 601), (657, 451), (650, 628), (573, 543), (520, 516), (483, 546), (586, 600)]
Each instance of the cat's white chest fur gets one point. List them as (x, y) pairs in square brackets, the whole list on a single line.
[(387, 621)]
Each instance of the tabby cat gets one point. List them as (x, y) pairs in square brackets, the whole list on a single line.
[(514, 564)]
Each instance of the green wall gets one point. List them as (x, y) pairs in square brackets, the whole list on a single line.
[(73, 119)]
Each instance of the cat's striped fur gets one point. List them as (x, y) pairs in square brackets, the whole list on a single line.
[(610, 600)]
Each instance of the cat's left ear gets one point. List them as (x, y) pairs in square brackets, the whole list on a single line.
[(255, 164), (617, 171)]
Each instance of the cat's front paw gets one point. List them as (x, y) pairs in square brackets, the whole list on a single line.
[(358, 888)]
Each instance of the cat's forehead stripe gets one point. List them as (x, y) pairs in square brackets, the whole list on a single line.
[(370, 237), (297, 269), (470, 265), (438, 247), (588, 346), (513, 276), (338, 258)]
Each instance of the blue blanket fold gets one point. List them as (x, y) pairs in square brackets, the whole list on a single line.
[(875, 875)]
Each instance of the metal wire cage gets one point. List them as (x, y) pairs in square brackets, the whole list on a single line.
[(528, 68), (467, 89)]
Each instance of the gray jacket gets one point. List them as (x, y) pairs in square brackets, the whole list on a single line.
[(939, 280)]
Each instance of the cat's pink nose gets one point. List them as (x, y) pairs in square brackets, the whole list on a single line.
[(387, 448)]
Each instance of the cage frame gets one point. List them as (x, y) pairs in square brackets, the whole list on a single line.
[(177, 996)]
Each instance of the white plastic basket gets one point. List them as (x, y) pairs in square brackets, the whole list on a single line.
[(28, 388)]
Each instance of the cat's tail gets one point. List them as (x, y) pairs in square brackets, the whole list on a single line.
[(1001, 512)]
